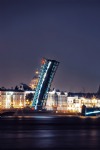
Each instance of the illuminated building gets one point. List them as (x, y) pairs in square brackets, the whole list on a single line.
[(14, 98), (34, 81), (73, 104), (11, 99), (62, 102), (52, 101), (47, 72), (75, 101), (57, 100)]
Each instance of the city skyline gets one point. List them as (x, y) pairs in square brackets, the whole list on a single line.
[(63, 30)]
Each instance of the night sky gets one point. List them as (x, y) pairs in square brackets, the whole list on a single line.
[(65, 30)]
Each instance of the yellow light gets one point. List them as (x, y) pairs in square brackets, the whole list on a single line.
[(20, 104), (37, 72)]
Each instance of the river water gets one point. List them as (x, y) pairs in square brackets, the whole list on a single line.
[(49, 133)]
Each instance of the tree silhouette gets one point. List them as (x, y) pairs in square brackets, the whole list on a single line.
[(29, 96)]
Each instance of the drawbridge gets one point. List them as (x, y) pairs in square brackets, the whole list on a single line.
[(47, 72)]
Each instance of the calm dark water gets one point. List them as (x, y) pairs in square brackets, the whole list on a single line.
[(49, 133)]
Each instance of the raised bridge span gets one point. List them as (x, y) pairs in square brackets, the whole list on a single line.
[(46, 75)]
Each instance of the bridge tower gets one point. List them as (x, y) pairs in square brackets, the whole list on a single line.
[(46, 75)]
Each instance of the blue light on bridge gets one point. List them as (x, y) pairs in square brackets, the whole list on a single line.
[(93, 112), (47, 72)]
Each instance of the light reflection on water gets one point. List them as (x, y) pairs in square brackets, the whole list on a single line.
[(49, 132), (36, 117), (50, 139)]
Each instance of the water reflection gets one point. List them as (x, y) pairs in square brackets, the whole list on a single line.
[(49, 133), (50, 139)]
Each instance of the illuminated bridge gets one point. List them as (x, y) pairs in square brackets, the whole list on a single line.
[(47, 72), (90, 111)]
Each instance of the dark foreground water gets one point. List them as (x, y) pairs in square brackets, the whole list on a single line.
[(50, 133)]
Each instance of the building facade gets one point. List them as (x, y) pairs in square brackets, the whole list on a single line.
[(59, 101), (12, 99)]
